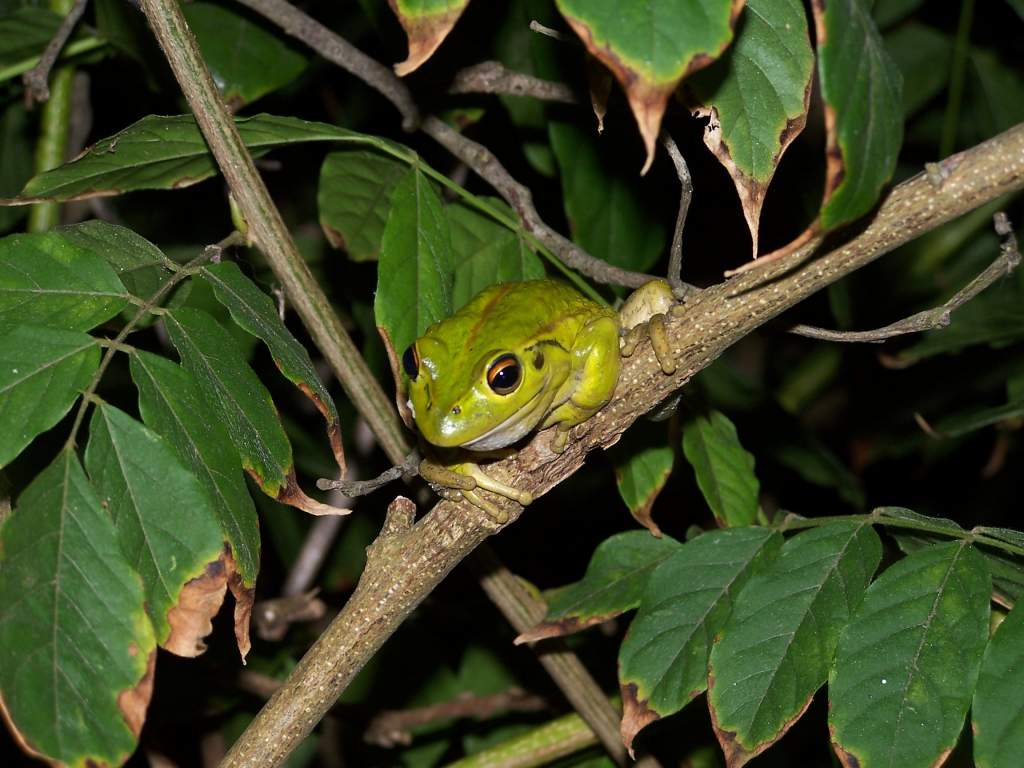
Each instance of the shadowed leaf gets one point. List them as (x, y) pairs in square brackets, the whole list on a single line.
[(246, 61), (354, 198), (724, 469), (607, 214), (486, 252)]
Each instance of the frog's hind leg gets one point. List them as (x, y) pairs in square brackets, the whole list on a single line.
[(596, 362)]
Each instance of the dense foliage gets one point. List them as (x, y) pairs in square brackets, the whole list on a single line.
[(817, 544)]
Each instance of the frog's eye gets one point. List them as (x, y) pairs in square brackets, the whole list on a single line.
[(504, 374), (411, 361)]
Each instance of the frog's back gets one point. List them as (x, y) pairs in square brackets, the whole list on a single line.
[(526, 310)]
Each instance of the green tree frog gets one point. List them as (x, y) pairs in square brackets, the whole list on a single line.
[(518, 357)]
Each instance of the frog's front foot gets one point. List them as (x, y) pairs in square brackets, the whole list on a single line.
[(653, 329), (643, 316), (465, 478)]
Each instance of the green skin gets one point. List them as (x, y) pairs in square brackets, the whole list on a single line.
[(566, 349)]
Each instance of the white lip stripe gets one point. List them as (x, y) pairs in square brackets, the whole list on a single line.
[(514, 427)]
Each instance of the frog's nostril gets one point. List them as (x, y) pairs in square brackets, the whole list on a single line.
[(456, 410)]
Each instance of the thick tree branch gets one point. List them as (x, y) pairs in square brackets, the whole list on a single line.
[(405, 564)]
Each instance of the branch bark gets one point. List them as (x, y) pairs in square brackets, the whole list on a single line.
[(406, 563)]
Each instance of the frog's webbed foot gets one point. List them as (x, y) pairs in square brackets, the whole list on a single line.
[(464, 479), (643, 316), (653, 329)]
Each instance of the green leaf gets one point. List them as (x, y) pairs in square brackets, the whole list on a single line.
[(663, 662), (862, 90), (757, 97), (140, 265), (354, 198), (634, 42), (915, 48), (16, 145), (888, 12), (426, 24), (911, 519), (173, 406), (607, 215), (994, 103), (725, 471), (998, 707), (643, 463), (906, 665), (974, 419), (238, 397), (76, 646), (415, 275), (613, 584), (486, 252), (246, 61), (42, 373), (816, 464), (776, 648), (253, 310), (47, 280), (1006, 535), (164, 520), (170, 153)]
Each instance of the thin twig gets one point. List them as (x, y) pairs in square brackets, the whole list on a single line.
[(318, 543), (540, 29), (490, 169), (353, 488), (495, 77), (339, 51), (36, 79), (524, 611), (393, 727), (273, 617), (937, 317), (675, 260)]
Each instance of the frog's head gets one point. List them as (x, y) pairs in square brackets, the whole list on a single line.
[(477, 395)]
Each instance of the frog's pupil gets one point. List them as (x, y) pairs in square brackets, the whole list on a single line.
[(411, 362), (503, 375)]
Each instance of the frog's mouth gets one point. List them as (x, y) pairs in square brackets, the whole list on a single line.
[(516, 426)]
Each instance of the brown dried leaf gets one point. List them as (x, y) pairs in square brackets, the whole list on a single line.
[(425, 32), (560, 628), (134, 702), (636, 716)]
